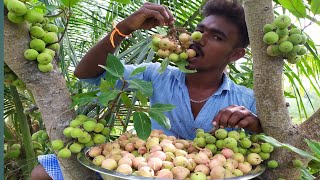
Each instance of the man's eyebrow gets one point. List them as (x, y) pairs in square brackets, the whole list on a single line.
[(212, 30)]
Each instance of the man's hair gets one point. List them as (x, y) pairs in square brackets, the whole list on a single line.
[(233, 11)]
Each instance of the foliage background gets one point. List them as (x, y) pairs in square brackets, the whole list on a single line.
[(92, 19)]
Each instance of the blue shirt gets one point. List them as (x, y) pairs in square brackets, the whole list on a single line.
[(170, 88), (51, 165)]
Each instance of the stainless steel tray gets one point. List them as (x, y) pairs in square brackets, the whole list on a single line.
[(106, 174)]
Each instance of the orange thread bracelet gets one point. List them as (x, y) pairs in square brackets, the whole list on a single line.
[(113, 33)]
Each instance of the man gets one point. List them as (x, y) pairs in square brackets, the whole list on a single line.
[(202, 99), (205, 99)]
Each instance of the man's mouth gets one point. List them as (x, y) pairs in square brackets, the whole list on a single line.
[(197, 49)]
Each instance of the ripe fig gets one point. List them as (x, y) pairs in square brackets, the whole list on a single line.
[(266, 147), (272, 164), (286, 46), (37, 44), (267, 28), (37, 32), (221, 134), (57, 144), (64, 153), (165, 173), (282, 21), (31, 54), (196, 36), (33, 16), (44, 58), (198, 176), (17, 7), (109, 164), (254, 159), (14, 18), (270, 38)]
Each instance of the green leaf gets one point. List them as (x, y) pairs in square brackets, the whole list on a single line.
[(105, 97), (144, 86), (315, 7), (123, 1), (142, 125), (60, 29), (114, 66), (276, 143), (162, 107), (160, 118), (69, 3), (138, 70), (306, 174), (125, 99), (296, 7), (162, 31), (314, 165), (106, 85), (289, 95), (314, 146), (38, 7), (83, 98), (182, 67), (246, 68), (142, 98), (164, 65), (143, 53), (51, 7)]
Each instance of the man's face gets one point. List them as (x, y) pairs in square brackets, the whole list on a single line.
[(218, 45)]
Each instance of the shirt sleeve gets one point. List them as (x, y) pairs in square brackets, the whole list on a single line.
[(51, 165)]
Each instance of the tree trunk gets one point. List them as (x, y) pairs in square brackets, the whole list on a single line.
[(49, 89), (271, 105)]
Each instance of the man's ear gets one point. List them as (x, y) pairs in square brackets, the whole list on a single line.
[(237, 54)]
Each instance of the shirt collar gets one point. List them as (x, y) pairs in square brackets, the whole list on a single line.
[(224, 86)]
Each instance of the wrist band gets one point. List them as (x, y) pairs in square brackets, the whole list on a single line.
[(116, 30)]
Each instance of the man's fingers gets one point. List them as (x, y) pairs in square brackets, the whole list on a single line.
[(226, 114), (216, 120), (244, 123), (234, 119), (238, 116), (221, 116), (171, 18), (152, 14), (162, 10)]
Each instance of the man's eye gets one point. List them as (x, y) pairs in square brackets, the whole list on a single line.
[(217, 38)]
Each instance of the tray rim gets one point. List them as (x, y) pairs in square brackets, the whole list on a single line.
[(84, 160)]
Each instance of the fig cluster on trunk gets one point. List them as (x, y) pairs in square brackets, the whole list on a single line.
[(284, 39), (44, 42)]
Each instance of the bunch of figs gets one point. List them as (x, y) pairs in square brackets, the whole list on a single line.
[(40, 141), (10, 78), (222, 155), (81, 132), (173, 48), (12, 151), (284, 39), (44, 43)]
